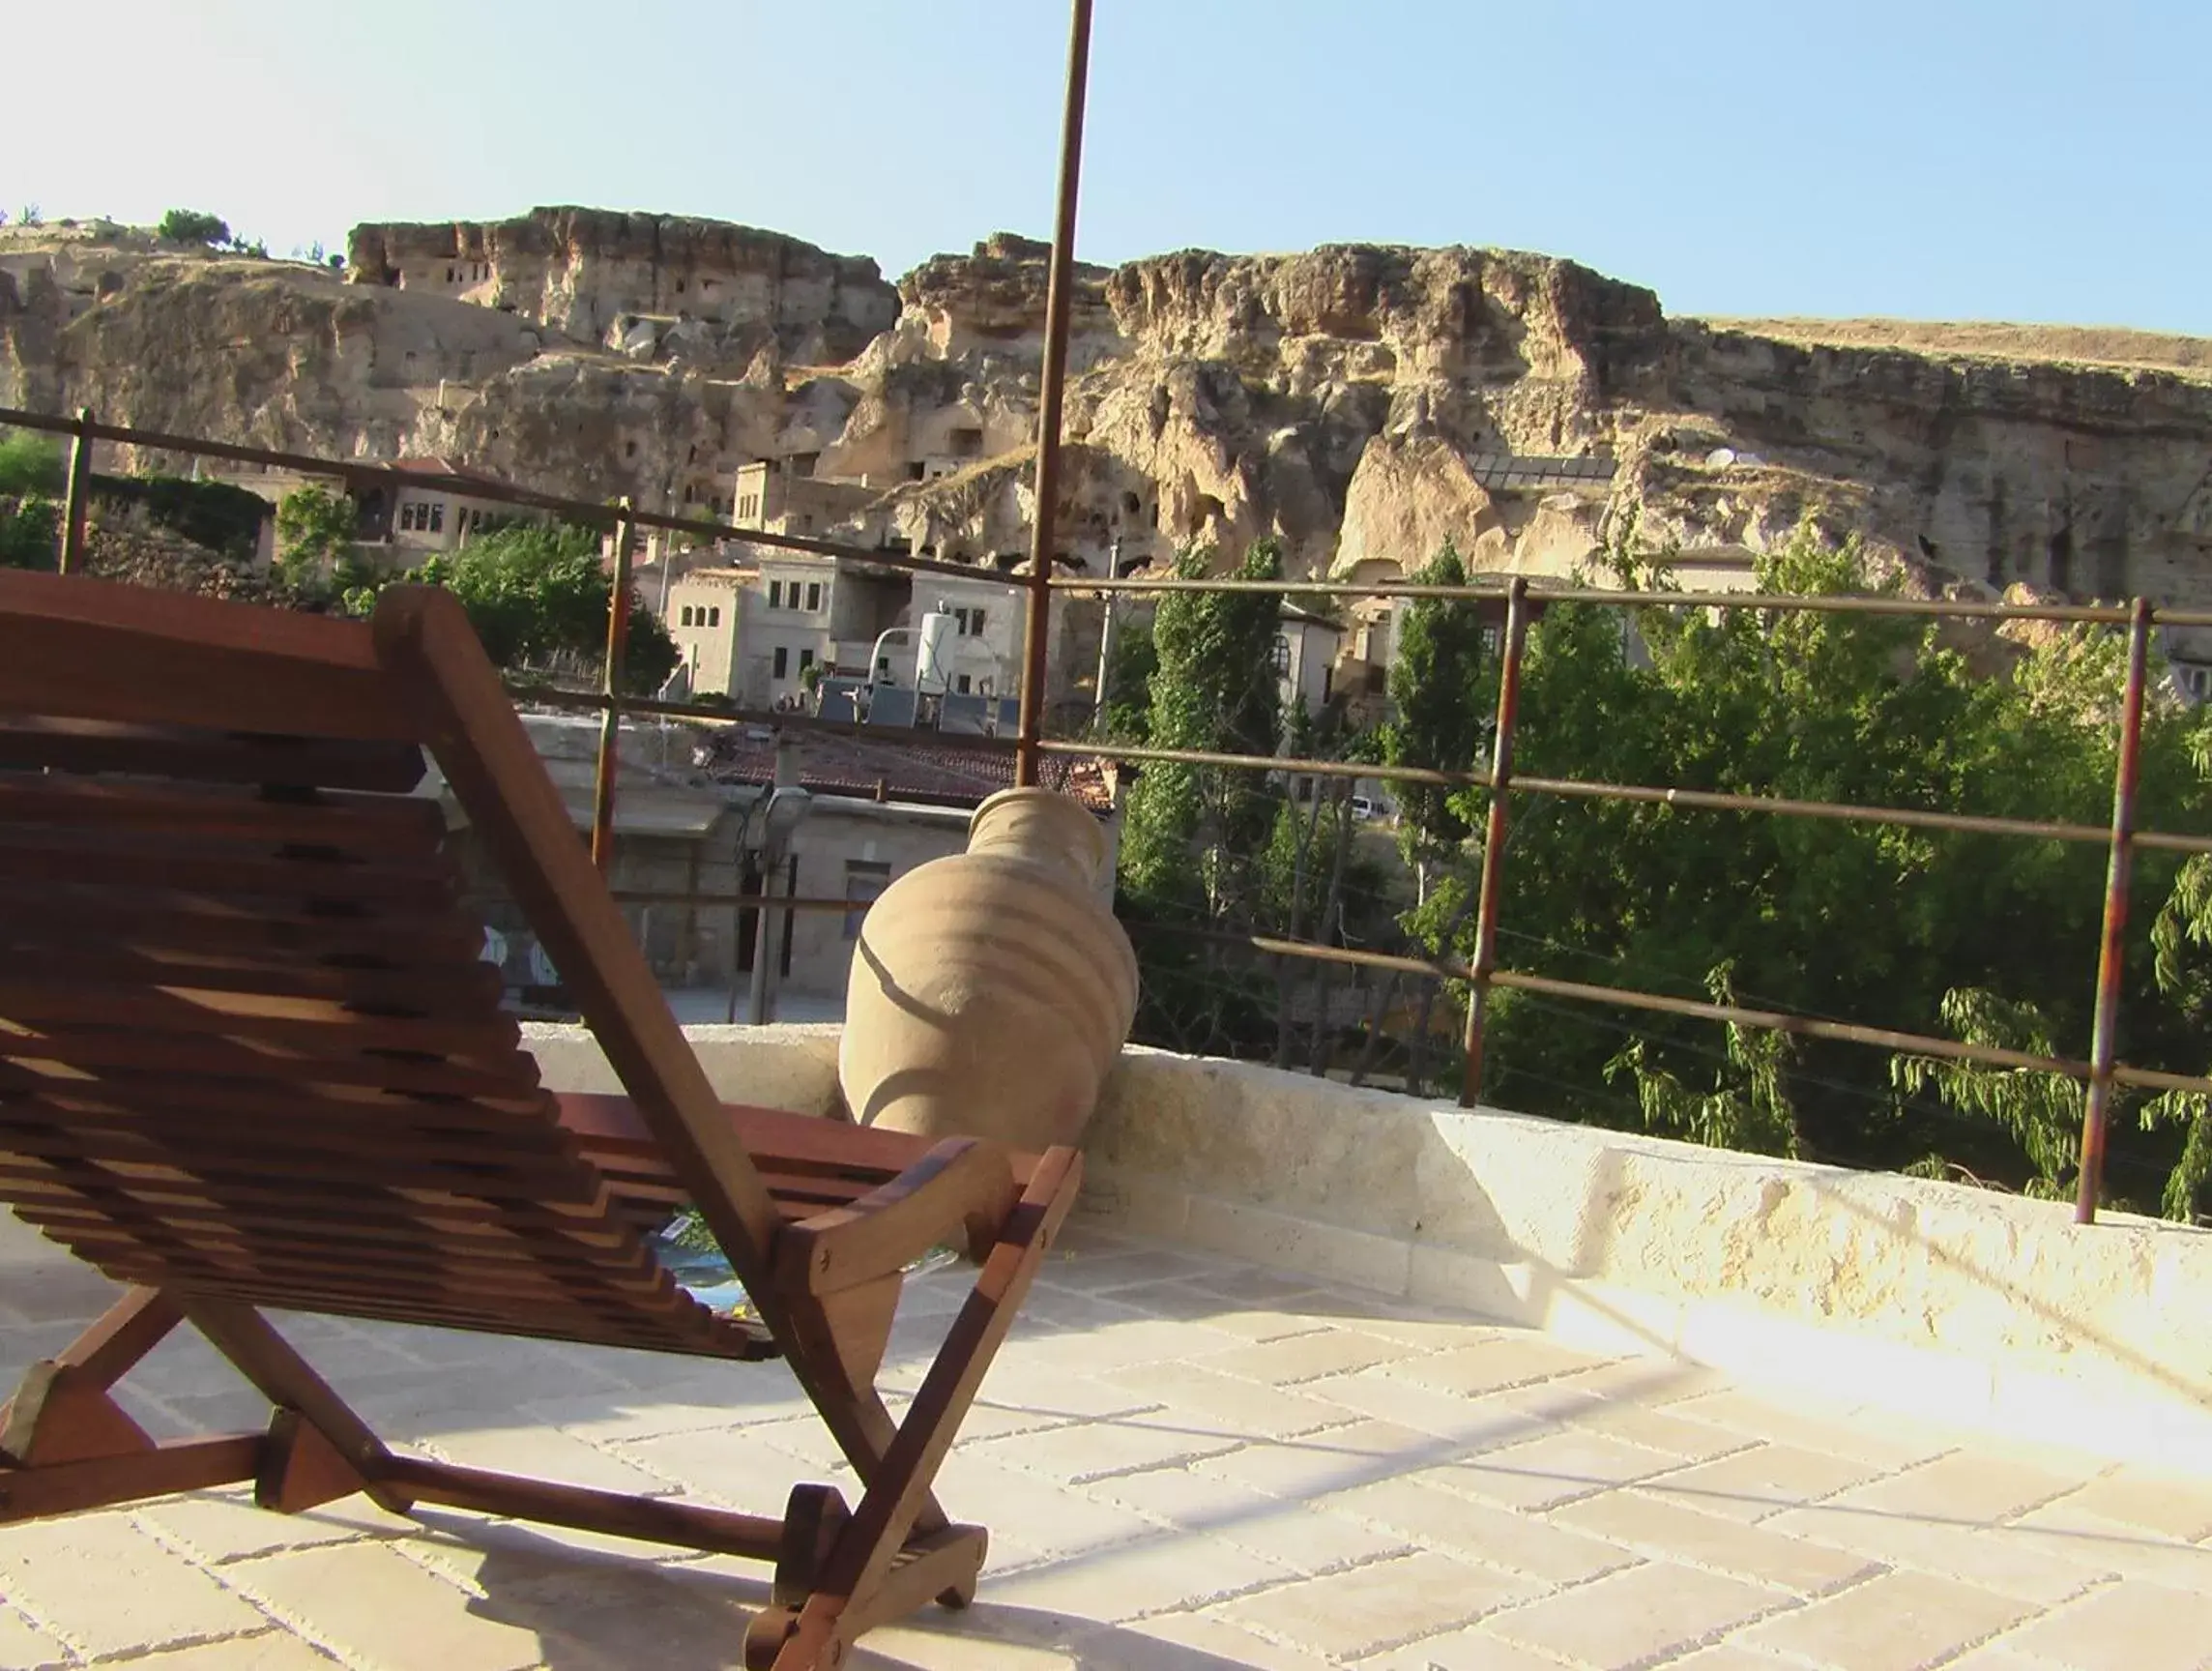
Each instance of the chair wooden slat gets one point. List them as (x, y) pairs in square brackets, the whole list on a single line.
[(93, 1048), (59, 860), (239, 811), (189, 755), (412, 991), (372, 1110), (84, 649), (188, 923)]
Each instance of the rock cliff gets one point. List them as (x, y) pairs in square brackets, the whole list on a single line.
[(647, 285), (1363, 403)]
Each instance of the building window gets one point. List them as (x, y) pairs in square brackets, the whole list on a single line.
[(782, 661), (865, 880), (438, 517), (714, 615), (684, 618), (775, 594), (961, 685), (813, 596), (976, 623), (407, 519), (806, 659), (1281, 659)]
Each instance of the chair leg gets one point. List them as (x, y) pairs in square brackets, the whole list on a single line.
[(61, 1412), (935, 1566), (123, 1334), (301, 1469), (65, 1445), (884, 1564), (287, 1380)]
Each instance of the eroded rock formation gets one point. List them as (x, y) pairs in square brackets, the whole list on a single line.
[(1362, 403)]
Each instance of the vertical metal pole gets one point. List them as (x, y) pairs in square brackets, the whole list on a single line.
[(1105, 662), (2111, 952), (737, 913), (1494, 839), (610, 718), (75, 508), (764, 940), (1059, 298)]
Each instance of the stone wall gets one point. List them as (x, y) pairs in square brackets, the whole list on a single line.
[(1935, 1298)]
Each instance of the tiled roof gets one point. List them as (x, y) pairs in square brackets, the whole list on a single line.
[(912, 768), (442, 467)]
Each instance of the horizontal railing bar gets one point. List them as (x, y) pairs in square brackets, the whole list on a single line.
[(2151, 1079), (1769, 1020), (1837, 603), (744, 901), (1909, 817), (496, 492), (956, 741), (1699, 800), (595, 512), (1267, 763), (1804, 1026)]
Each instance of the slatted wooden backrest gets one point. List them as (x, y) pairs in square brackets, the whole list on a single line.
[(247, 1045)]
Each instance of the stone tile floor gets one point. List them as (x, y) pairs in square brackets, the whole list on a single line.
[(1188, 1465)]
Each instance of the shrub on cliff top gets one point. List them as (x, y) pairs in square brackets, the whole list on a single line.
[(192, 226)]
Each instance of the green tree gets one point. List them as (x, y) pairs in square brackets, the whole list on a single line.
[(1193, 834), (1990, 938), (1132, 661), (315, 531), (192, 226), (1213, 690), (31, 463), (30, 529), (1440, 719), (537, 595)]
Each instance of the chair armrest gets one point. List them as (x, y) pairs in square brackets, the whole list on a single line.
[(962, 1187)]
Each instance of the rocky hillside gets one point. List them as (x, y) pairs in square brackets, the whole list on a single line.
[(1363, 402)]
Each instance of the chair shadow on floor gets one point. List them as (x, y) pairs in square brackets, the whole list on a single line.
[(595, 1611)]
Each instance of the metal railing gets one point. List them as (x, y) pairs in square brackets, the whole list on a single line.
[(2101, 1069)]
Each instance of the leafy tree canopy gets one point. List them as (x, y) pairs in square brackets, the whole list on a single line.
[(31, 463), (192, 226), (314, 529), (1989, 938), (537, 595)]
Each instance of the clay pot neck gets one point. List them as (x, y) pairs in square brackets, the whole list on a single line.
[(1042, 828)]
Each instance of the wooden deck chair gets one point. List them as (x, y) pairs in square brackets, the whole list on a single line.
[(248, 1058)]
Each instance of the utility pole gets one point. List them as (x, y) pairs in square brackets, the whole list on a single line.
[(1106, 639)]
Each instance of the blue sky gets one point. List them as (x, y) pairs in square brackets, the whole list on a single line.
[(1951, 159)]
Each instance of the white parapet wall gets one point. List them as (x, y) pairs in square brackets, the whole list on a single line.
[(1937, 1299)]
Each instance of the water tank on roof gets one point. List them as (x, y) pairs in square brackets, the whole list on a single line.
[(932, 638)]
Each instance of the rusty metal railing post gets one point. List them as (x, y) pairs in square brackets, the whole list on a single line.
[(1494, 839), (2111, 950), (610, 715), (75, 507), (1058, 303)]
